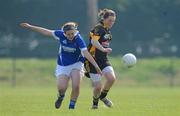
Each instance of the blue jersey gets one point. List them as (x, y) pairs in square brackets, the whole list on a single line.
[(69, 50)]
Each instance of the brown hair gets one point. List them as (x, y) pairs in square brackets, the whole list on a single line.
[(105, 13), (69, 26)]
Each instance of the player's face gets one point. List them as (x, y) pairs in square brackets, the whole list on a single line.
[(70, 34), (109, 22)]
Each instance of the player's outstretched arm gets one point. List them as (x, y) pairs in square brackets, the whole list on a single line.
[(92, 61), (38, 29)]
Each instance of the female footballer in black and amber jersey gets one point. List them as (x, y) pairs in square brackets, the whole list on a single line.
[(99, 41)]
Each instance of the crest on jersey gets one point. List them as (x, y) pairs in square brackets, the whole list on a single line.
[(107, 36), (64, 41)]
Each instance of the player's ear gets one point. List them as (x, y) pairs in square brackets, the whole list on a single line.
[(76, 25)]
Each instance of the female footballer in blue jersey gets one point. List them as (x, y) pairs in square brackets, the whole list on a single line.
[(70, 61), (99, 47)]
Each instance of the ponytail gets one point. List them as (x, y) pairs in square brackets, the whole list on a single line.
[(105, 13)]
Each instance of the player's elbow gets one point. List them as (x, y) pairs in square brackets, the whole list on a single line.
[(47, 33), (94, 42)]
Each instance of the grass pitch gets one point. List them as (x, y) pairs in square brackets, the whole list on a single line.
[(140, 91), (39, 101)]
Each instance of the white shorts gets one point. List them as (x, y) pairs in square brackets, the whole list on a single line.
[(66, 70), (97, 77)]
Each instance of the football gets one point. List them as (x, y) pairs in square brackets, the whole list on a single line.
[(129, 60)]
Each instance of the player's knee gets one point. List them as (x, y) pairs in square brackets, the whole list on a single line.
[(112, 79), (98, 88), (61, 87)]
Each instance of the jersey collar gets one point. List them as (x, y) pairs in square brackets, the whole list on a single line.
[(104, 25)]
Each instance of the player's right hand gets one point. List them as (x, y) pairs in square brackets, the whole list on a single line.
[(108, 50), (25, 25), (98, 70)]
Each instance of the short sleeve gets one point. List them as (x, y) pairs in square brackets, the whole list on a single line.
[(57, 34), (81, 43), (96, 33)]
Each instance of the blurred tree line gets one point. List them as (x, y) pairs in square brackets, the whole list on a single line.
[(146, 28)]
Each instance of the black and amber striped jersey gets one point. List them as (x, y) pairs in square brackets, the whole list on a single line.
[(103, 36)]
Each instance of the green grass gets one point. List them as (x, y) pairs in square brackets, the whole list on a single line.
[(139, 91), (39, 101)]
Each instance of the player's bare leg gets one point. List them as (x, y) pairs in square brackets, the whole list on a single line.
[(62, 84), (96, 94), (110, 79), (76, 78), (97, 86)]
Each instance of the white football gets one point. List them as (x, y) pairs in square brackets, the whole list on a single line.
[(129, 60)]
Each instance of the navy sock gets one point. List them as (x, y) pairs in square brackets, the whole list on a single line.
[(72, 104)]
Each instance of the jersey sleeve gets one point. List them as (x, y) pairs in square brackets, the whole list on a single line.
[(96, 33), (57, 34), (81, 43)]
